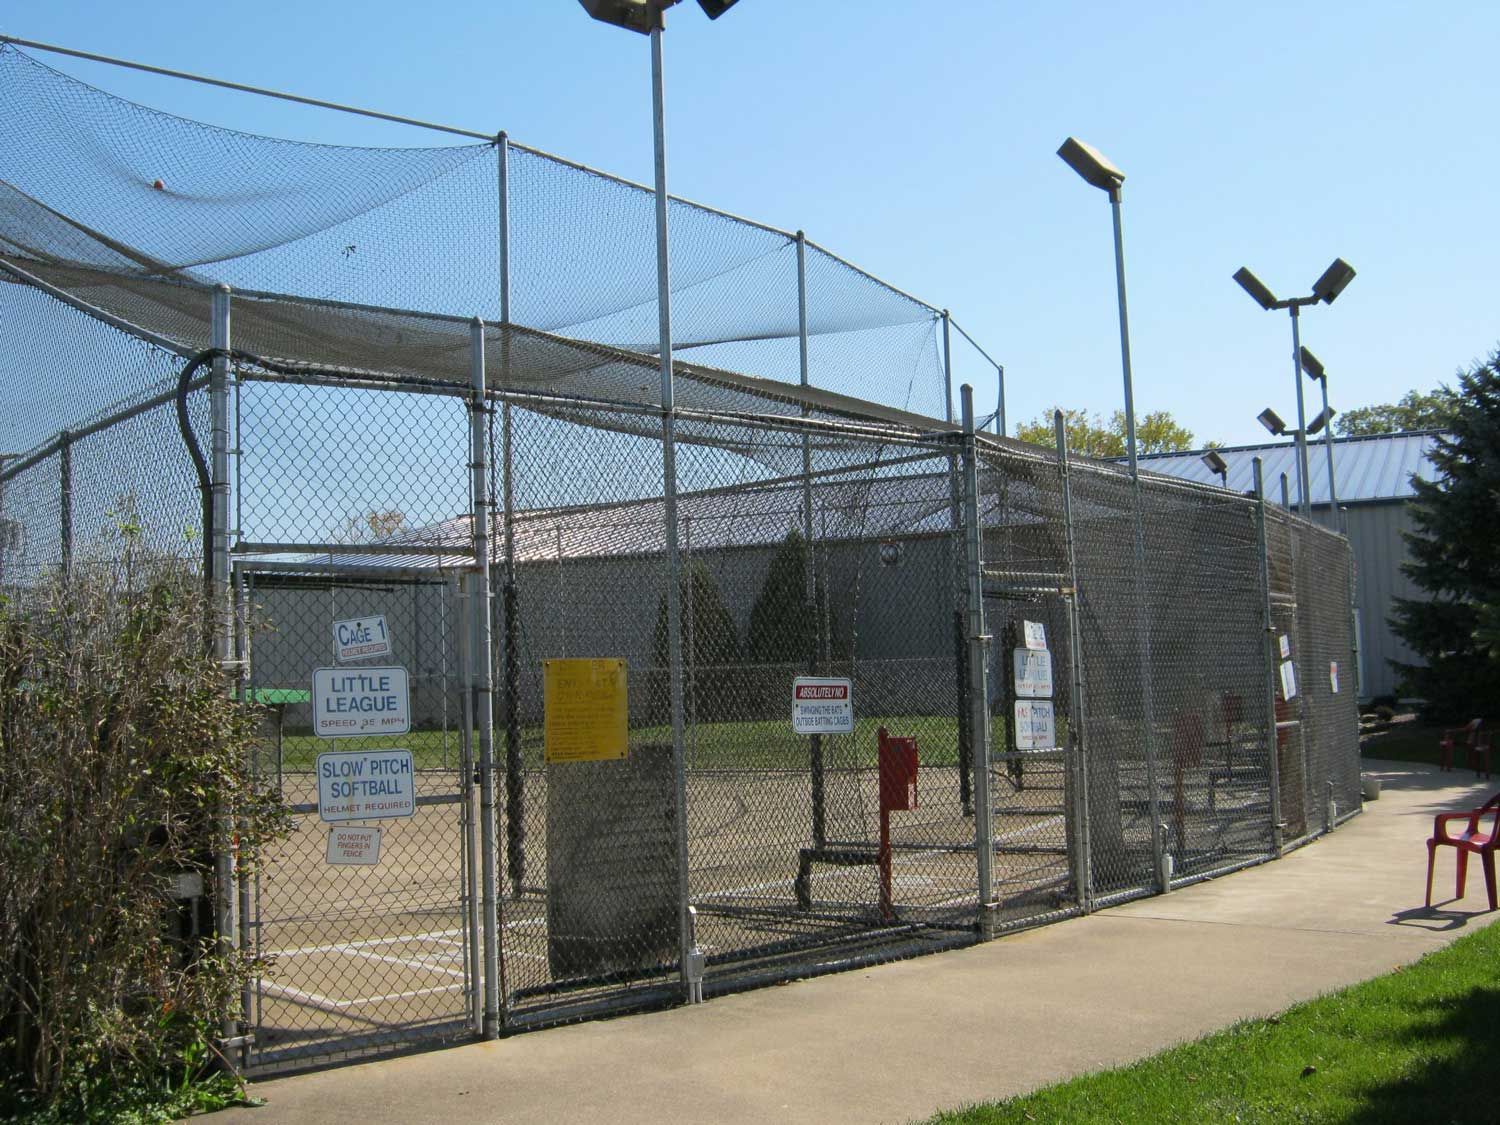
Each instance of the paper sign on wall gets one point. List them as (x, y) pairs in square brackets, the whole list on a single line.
[(585, 711), (1288, 680), (1034, 634), (1036, 725), (361, 638), (353, 846), (1284, 644), (1033, 673), (1333, 676)]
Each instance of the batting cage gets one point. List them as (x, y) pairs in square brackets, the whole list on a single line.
[(590, 685)]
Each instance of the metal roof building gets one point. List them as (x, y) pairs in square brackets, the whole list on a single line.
[(1374, 477)]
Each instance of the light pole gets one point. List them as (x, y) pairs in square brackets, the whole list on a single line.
[(1314, 369), (1333, 282), (1097, 171), (646, 17), (1273, 423)]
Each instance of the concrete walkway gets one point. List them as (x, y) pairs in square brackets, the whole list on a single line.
[(899, 1042)]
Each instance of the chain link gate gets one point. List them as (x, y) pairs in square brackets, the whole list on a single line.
[(364, 953)]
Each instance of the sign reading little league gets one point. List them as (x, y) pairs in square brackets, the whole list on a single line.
[(349, 702), (365, 785)]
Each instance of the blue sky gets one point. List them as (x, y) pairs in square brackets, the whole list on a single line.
[(918, 140)]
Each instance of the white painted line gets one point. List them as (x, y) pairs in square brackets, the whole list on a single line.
[(409, 962), (367, 943), (328, 1004)]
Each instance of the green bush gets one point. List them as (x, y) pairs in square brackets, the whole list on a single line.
[(119, 754)]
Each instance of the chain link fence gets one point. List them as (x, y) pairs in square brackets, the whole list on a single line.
[(582, 704)]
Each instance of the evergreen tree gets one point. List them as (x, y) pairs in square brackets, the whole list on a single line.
[(1455, 558), (710, 645), (783, 626)]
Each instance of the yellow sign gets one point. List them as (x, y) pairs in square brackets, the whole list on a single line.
[(585, 716)]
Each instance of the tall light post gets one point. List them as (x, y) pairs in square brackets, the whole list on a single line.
[(1097, 171), (646, 17), (1276, 427), (1333, 282), (1314, 370)]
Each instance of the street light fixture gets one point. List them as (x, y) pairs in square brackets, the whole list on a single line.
[(1334, 280), (1217, 465), (1324, 417), (1272, 421), (1314, 369), (1099, 171)]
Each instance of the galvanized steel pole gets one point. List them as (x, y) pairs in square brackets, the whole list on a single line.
[(1271, 655), (1333, 492), (483, 682), (1083, 867), (688, 964), (1304, 484), (815, 741), (979, 710), (221, 607)]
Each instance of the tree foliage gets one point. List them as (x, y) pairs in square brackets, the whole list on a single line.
[(710, 645), (783, 625), (1455, 559), (1091, 436), (1415, 410)]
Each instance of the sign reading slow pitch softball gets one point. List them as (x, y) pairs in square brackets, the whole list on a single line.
[(365, 785), (822, 705), (361, 639), (1036, 725), (355, 701), (585, 710), (356, 846)]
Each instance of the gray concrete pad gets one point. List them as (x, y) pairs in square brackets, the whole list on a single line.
[(898, 1042)]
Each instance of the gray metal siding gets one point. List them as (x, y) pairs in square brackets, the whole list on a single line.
[(1379, 550)]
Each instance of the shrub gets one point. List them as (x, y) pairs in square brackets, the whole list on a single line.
[(119, 753)]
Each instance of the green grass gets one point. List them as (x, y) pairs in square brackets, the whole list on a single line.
[(1420, 1044), (755, 744)]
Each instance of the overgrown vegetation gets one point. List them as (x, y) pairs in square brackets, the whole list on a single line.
[(1416, 1045), (119, 754)]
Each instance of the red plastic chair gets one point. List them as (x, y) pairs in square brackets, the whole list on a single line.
[(1470, 841), (1479, 753), (1466, 734)]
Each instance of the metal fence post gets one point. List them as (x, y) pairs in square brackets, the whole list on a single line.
[(1000, 428), (979, 681), (815, 741), (1274, 740), (961, 668), (1077, 723), (458, 590), (690, 961), (484, 713), (65, 501), (515, 777), (221, 610)]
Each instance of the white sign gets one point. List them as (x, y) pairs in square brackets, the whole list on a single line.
[(822, 706), (365, 785), (1284, 643), (1288, 680), (354, 846), (1033, 673), (1034, 634), (354, 701), (1036, 725), (361, 639), (1333, 676)]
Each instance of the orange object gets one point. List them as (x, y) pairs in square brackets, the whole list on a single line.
[(158, 185), (1470, 841)]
